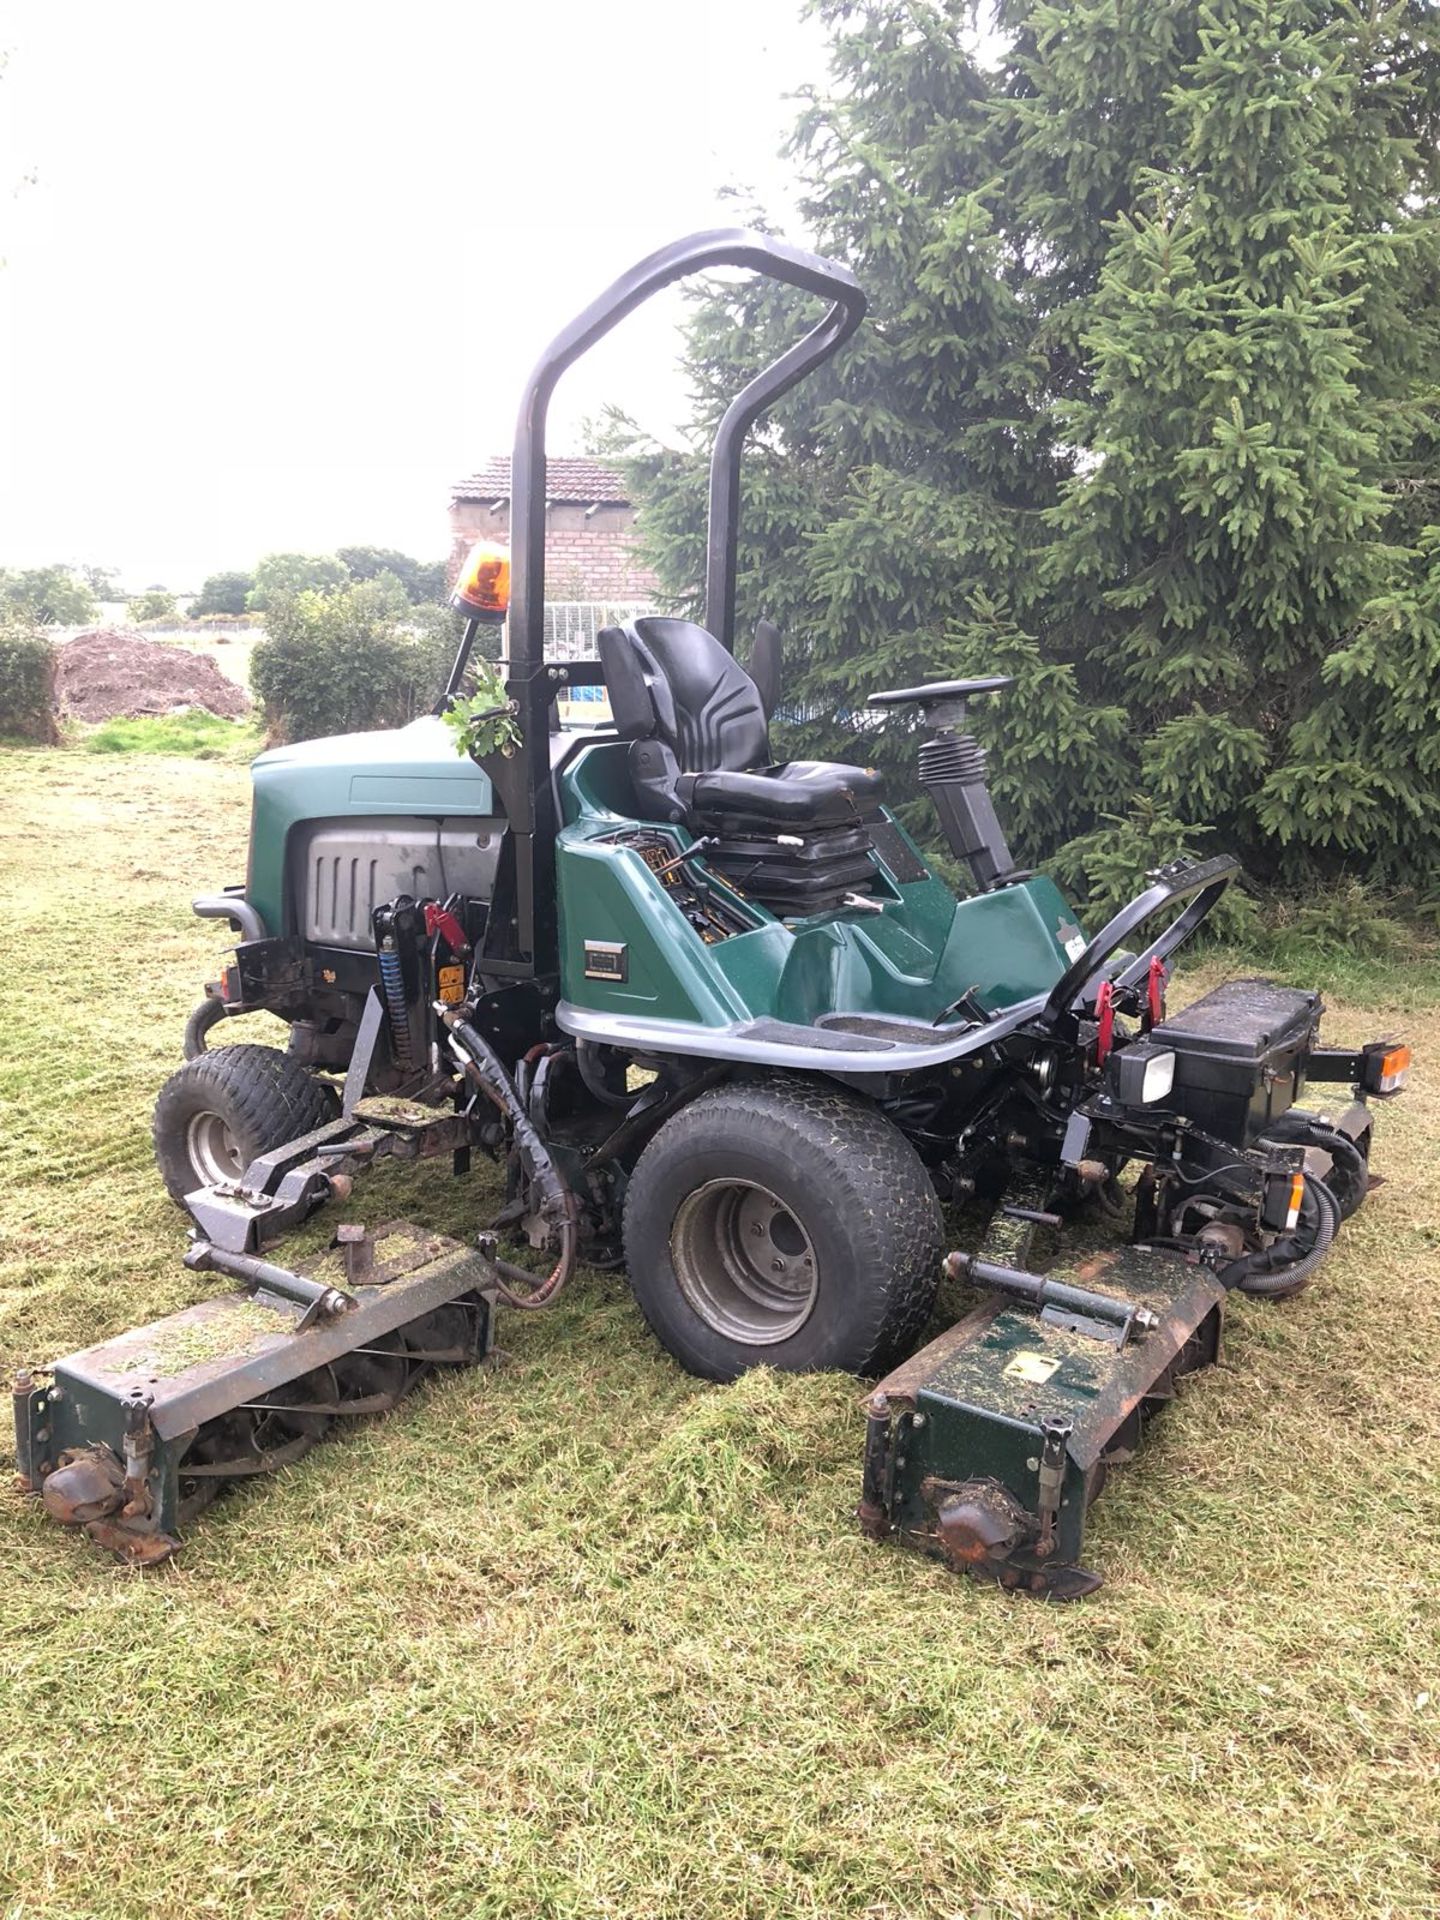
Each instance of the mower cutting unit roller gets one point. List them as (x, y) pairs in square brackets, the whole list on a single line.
[(722, 1023)]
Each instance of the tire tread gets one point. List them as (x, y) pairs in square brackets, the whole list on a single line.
[(891, 1212), (273, 1100)]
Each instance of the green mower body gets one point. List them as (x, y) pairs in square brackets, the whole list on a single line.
[(721, 1023)]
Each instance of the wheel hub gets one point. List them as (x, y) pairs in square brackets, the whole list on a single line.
[(745, 1264), (214, 1151)]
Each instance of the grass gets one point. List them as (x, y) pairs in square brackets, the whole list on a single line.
[(581, 1636), (192, 734)]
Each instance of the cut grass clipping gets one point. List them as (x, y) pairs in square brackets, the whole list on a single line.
[(582, 1636)]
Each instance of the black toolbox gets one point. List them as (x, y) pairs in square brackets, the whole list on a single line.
[(1240, 1056)]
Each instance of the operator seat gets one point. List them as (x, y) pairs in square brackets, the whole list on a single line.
[(673, 683), (700, 755)]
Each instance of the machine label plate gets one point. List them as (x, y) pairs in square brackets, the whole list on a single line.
[(1033, 1368), (607, 960)]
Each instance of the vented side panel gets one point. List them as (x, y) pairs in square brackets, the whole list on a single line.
[(350, 867)]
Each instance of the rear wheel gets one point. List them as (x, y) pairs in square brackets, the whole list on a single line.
[(222, 1109), (782, 1224)]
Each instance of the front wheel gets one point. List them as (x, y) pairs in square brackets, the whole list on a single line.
[(782, 1224), (222, 1109)]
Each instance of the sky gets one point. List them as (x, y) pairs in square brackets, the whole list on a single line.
[(272, 276)]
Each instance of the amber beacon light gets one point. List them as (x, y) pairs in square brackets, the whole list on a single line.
[(482, 586)]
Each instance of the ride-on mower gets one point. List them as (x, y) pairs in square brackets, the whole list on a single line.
[(722, 1023)]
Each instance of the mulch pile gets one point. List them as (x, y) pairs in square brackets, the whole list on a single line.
[(111, 673)]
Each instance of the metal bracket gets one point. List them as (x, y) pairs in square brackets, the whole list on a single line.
[(372, 1021), (262, 1277)]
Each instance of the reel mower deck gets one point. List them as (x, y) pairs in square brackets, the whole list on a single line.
[(131, 1439), (987, 1447)]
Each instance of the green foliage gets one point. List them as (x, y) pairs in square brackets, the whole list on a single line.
[(423, 580), (47, 596), (1107, 866), (293, 573), (226, 593), (27, 679), (436, 631), (154, 604), (342, 661), (101, 581), (484, 721), (1144, 413), (420, 581)]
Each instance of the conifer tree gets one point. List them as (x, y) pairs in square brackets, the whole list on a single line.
[(1139, 415), (1246, 352)]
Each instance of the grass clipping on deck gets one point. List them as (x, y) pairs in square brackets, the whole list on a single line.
[(582, 1636)]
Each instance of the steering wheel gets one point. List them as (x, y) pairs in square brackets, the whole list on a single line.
[(941, 693), (1199, 882)]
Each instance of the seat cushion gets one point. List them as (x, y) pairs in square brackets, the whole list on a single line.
[(801, 793)]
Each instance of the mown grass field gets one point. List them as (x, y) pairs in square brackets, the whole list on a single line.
[(582, 1636)]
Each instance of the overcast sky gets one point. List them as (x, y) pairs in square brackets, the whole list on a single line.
[(273, 274)]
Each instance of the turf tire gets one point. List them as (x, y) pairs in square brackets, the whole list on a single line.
[(852, 1182), (261, 1096)]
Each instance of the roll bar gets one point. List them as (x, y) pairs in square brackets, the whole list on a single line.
[(530, 685)]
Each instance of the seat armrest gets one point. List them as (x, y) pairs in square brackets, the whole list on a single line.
[(655, 774)]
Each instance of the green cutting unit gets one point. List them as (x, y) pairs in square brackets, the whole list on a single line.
[(722, 1023)]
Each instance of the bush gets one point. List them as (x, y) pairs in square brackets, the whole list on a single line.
[(27, 681), (155, 604), (222, 594), (46, 596), (342, 662), (279, 574)]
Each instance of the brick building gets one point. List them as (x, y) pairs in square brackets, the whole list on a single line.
[(589, 526)]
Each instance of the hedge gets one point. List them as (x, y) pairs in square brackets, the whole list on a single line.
[(27, 683), (344, 662)]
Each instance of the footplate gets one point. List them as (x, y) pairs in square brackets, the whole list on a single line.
[(987, 1448), (132, 1438)]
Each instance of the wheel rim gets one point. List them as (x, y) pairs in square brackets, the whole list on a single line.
[(213, 1149), (744, 1262)]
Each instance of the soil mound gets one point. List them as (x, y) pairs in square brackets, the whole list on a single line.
[(111, 673)]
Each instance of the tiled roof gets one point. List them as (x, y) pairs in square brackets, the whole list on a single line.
[(566, 478)]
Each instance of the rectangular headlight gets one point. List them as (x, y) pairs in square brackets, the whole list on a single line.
[(1144, 1074)]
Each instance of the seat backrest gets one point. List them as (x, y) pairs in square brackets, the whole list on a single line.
[(670, 680)]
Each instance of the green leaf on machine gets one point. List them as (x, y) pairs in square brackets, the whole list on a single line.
[(484, 722)]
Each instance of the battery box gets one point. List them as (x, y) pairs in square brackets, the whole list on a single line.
[(1240, 1056)]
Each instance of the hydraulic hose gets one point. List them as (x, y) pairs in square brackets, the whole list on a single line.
[(1287, 1264), (593, 1075), (205, 1016), (484, 1067), (1349, 1172)]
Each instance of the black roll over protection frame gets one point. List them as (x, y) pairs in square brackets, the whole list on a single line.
[(521, 940)]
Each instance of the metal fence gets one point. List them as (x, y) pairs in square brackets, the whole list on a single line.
[(571, 625)]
